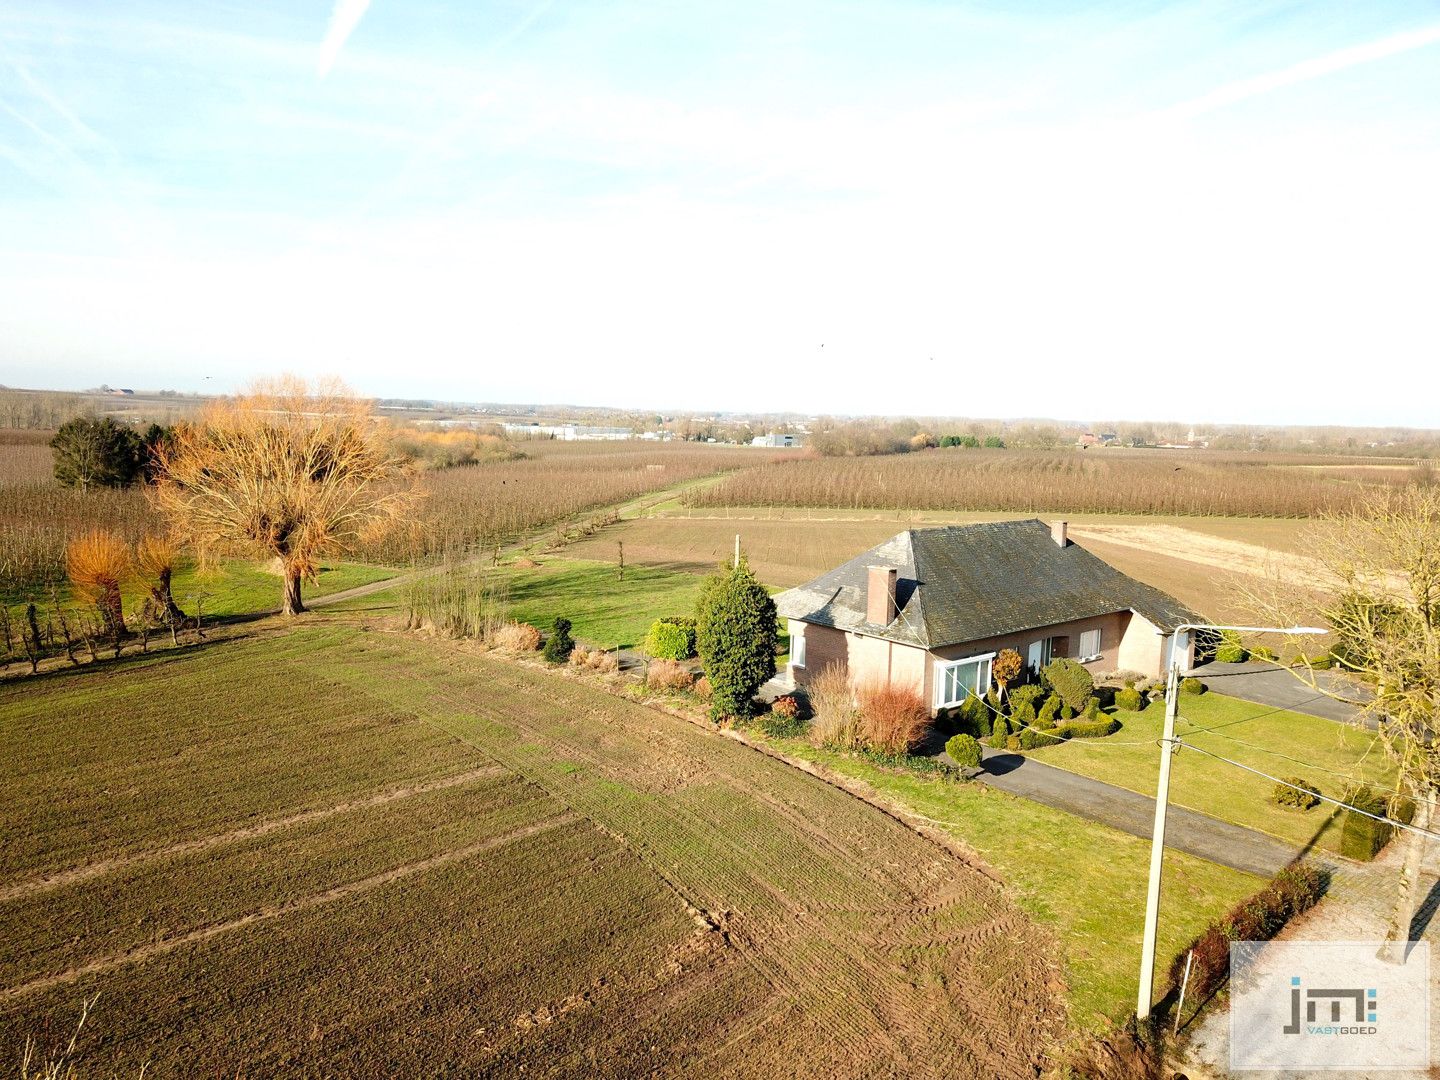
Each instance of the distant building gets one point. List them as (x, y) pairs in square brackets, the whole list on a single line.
[(777, 439), (1088, 439)]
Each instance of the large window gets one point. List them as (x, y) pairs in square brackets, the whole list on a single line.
[(955, 680), (797, 643), (1038, 654), (1089, 645)]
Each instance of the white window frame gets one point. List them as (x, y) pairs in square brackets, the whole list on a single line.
[(1086, 656), (942, 666), (797, 643), (1046, 646)]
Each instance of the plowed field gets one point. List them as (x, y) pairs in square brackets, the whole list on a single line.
[(342, 853)]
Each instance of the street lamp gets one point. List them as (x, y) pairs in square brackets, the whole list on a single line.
[(1162, 797)]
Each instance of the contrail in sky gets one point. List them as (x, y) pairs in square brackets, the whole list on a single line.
[(343, 20), (1238, 91)]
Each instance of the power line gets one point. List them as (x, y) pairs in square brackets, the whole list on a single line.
[(1296, 787)]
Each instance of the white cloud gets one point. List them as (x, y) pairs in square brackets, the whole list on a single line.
[(1243, 89), (343, 21)]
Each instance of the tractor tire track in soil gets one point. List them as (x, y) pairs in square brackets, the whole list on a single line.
[(305, 903), (935, 981), (60, 879)]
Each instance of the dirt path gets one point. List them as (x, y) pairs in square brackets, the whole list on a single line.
[(107, 866)]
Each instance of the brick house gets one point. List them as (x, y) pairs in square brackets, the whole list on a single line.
[(930, 608)]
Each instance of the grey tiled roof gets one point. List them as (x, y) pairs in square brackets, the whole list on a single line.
[(968, 582)]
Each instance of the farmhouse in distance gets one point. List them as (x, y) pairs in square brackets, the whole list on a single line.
[(929, 609)]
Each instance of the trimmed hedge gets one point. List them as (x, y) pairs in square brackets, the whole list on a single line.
[(1000, 733), (1129, 699), (1362, 837), (964, 750), (1072, 681), (1088, 729), (1048, 712), (1029, 694), (671, 639), (1032, 739), (1292, 891)]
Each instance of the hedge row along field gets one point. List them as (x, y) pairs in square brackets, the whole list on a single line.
[(1094, 481), (467, 508)]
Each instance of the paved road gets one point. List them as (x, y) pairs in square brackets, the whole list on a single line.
[(1196, 834), (1267, 684)]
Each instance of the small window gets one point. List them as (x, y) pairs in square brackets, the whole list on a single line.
[(1089, 645), (797, 643)]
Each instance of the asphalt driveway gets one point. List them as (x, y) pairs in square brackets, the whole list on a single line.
[(1266, 684)]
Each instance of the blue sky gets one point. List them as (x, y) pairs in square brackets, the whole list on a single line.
[(1211, 211)]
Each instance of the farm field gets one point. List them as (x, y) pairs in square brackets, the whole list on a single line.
[(1335, 756), (337, 851), (465, 509), (1063, 481), (1194, 559)]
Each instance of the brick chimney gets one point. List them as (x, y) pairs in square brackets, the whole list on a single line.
[(880, 594), (1060, 532)]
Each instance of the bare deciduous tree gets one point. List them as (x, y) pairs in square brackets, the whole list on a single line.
[(1378, 588), (286, 471)]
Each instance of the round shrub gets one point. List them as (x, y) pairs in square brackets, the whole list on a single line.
[(1030, 694), (1302, 796), (999, 733), (1192, 686), (671, 639), (1228, 653), (1260, 652), (964, 750), (1092, 709), (1129, 700)]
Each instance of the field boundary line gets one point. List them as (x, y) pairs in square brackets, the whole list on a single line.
[(142, 953), (78, 874)]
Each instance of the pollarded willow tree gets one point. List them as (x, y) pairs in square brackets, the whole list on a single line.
[(1377, 586), (286, 471)]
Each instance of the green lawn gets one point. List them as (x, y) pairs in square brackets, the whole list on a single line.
[(604, 610), (1325, 753), (1085, 881), (230, 588)]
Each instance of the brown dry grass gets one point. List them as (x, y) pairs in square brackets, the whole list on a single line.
[(668, 675), (515, 637), (594, 660), (836, 720)]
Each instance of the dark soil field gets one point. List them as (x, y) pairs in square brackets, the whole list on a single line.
[(424, 862)]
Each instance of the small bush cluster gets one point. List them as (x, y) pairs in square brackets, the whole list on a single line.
[(515, 637), (668, 675), (1230, 649), (893, 719), (671, 639), (964, 750), (1296, 792), (594, 659), (1292, 891), (1192, 686), (786, 707)]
